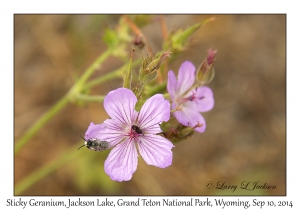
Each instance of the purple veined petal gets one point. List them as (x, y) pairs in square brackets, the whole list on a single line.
[(93, 131), (156, 150), (186, 77), (102, 132), (204, 99), (119, 105), (155, 110), (122, 161), (152, 129), (189, 116), (115, 126), (114, 132), (172, 84)]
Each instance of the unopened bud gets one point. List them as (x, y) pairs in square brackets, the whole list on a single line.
[(153, 64), (177, 134), (138, 41), (206, 71), (186, 133), (149, 70)]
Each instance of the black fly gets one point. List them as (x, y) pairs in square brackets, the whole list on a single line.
[(137, 129)]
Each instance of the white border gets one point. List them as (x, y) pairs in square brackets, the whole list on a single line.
[(8, 8)]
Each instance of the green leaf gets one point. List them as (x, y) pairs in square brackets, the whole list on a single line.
[(110, 38), (179, 40)]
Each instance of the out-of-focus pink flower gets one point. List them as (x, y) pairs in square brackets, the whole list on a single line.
[(189, 103)]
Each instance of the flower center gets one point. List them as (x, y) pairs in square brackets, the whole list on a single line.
[(185, 99), (192, 97), (134, 133)]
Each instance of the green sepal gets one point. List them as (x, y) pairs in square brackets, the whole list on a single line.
[(128, 74)]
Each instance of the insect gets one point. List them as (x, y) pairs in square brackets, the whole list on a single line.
[(137, 129), (95, 144)]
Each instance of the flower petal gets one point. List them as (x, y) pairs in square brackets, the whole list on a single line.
[(93, 131), (155, 110), (204, 99), (119, 105), (189, 116), (104, 133), (114, 132), (156, 150), (155, 129), (186, 77), (121, 162), (172, 83)]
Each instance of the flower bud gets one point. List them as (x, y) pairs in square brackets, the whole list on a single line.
[(149, 70), (186, 132), (176, 134), (151, 64), (206, 71)]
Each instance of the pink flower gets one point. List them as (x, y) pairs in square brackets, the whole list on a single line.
[(189, 103), (129, 130)]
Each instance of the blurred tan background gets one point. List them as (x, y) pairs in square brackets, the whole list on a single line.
[(245, 138)]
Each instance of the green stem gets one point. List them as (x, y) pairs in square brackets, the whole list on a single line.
[(77, 87), (157, 89), (101, 79), (92, 68), (41, 122), (45, 170), (89, 98), (108, 76)]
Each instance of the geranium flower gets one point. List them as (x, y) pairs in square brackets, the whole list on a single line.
[(189, 103), (129, 130)]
